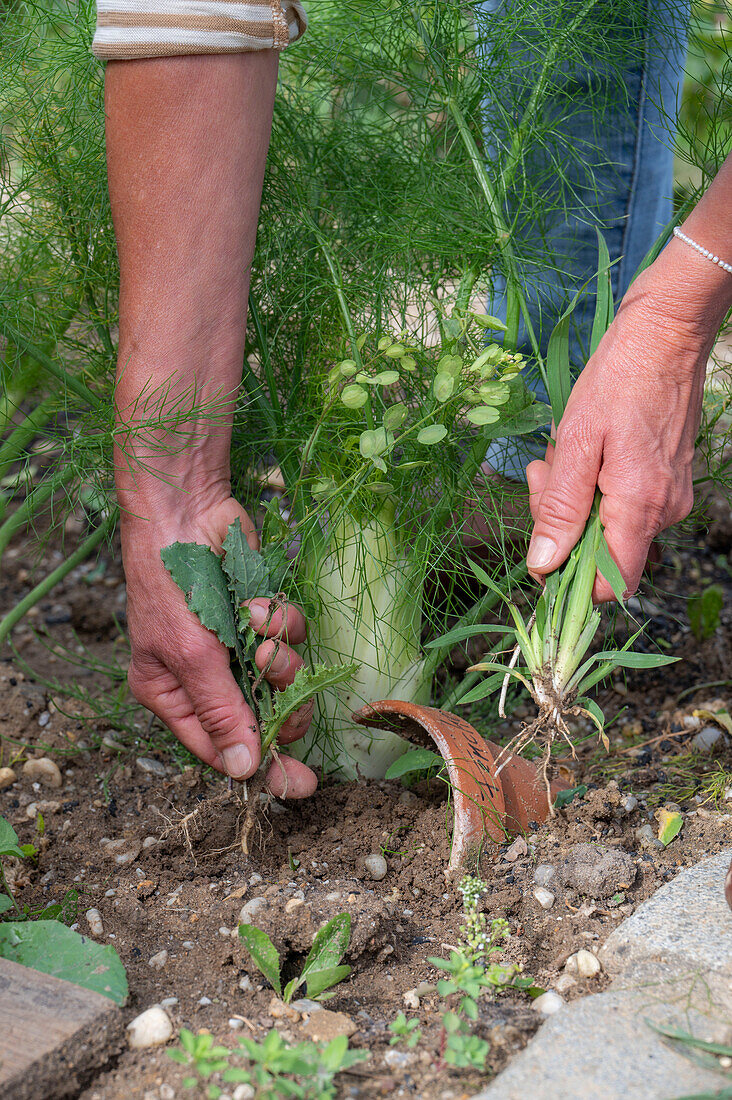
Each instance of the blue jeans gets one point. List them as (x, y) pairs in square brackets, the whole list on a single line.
[(626, 192)]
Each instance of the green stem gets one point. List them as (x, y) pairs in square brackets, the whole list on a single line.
[(36, 594), (33, 501), (337, 278), (508, 171), (503, 235), (58, 372), (18, 440)]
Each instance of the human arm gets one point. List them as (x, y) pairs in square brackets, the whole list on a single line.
[(187, 139), (632, 418)]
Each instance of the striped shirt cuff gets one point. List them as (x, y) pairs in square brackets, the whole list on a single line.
[(162, 28)]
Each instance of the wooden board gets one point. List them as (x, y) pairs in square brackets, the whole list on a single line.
[(53, 1034)]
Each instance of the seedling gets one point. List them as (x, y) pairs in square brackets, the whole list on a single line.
[(705, 610), (320, 971), (204, 1059), (305, 1070), (405, 1031)]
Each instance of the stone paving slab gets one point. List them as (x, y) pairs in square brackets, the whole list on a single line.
[(672, 964), (687, 923), (52, 1034)]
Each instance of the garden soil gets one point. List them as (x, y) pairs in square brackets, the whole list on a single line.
[(149, 839)]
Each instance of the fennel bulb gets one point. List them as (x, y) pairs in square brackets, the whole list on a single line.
[(369, 595)]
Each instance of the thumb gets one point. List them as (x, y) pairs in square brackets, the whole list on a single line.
[(562, 492), (222, 711)]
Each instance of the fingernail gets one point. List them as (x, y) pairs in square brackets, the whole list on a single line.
[(237, 761), (542, 552), (257, 614)]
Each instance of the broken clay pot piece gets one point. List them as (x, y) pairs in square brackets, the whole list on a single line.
[(495, 793)]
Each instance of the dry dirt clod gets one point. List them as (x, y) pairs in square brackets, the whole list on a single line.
[(43, 771), (324, 1026), (564, 983), (597, 872), (280, 1011)]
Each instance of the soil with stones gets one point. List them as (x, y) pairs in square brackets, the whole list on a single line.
[(170, 902)]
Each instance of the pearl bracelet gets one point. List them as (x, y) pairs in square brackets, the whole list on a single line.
[(702, 251)]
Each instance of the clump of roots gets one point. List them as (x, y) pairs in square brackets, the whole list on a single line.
[(549, 725), (252, 798)]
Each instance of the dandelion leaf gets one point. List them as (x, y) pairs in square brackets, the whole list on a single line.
[(198, 572), (263, 952), (246, 570), (307, 683), (329, 946)]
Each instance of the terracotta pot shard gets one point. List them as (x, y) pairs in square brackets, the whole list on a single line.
[(495, 794)]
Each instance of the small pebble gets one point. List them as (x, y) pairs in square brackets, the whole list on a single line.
[(158, 961), (43, 771), (122, 849), (204, 1001), (250, 910), (149, 841), (564, 983), (629, 803), (243, 1092), (152, 767), (305, 1006), (411, 1000), (518, 848), (544, 874), (151, 1028), (167, 1092), (545, 899), (400, 1059), (548, 1003), (235, 1023), (584, 964), (245, 984), (376, 866), (255, 879), (7, 777), (169, 1002), (94, 920), (707, 739), (293, 904), (43, 719)]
